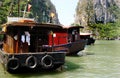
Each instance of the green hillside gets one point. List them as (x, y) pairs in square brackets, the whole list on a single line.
[(40, 10)]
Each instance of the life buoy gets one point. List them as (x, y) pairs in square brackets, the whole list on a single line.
[(31, 62), (47, 61), (13, 64)]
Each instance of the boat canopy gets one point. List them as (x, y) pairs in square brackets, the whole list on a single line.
[(85, 34), (72, 27), (19, 19), (31, 24)]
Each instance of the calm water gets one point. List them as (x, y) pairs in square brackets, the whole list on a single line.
[(101, 60)]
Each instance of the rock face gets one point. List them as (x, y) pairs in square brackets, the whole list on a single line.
[(117, 2), (103, 11), (43, 9), (99, 11), (53, 10)]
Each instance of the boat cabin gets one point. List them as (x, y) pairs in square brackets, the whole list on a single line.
[(73, 33), (88, 37), (32, 37)]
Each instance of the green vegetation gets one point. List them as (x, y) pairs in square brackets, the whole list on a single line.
[(110, 30), (105, 29), (40, 9)]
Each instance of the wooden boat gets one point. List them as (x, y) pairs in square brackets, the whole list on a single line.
[(30, 45), (87, 36), (68, 40), (75, 44)]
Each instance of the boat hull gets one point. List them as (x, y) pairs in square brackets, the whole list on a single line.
[(32, 61), (90, 41), (75, 47), (72, 48)]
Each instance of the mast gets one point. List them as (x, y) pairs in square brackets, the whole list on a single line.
[(24, 13), (11, 8), (18, 8)]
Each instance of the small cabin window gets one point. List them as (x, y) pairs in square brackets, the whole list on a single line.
[(26, 37), (1, 40), (54, 35)]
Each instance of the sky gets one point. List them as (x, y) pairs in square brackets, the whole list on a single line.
[(65, 10)]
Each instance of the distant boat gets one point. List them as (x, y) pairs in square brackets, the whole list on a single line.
[(75, 43), (87, 36)]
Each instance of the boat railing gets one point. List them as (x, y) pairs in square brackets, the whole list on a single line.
[(18, 19)]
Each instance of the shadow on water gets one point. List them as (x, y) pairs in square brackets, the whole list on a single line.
[(35, 74), (74, 55), (68, 66), (89, 53), (80, 54), (71, 64)]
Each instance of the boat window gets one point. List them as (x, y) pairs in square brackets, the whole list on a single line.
[(1, 40), (54, 35), (26, 37), (73, 32), (23, 38), (75, 35), (15, 37)]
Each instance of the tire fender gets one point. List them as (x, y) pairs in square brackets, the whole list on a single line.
[(13, 64), (47, 61), (31, 62)]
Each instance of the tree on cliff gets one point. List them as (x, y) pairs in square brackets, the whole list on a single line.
[(99, 17), (40, 9), (85, 13)]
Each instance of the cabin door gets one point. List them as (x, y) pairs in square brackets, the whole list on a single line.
[(21, 43)]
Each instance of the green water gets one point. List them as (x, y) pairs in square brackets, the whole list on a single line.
[(101, 60)]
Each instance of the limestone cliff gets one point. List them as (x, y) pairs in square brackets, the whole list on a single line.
[(43, 9), (98, 11)]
